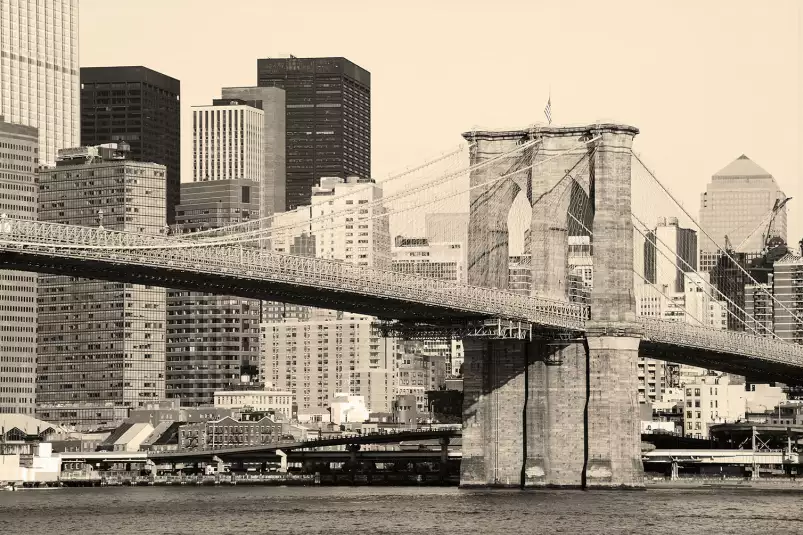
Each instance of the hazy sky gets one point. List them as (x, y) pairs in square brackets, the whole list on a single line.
[(704, 81)]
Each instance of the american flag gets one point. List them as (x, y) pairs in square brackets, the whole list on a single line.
[(548, 110)]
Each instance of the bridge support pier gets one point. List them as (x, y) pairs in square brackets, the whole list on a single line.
[(556, 399), (613, 435), (493, 412)]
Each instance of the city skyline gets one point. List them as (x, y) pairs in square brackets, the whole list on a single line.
[(720, 78)]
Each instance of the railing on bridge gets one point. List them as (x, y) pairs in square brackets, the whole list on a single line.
[(101, 245), (685, 335), (52, 240)]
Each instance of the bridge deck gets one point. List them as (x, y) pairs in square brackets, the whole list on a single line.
[(251, 272)]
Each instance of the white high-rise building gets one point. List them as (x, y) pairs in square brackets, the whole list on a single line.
[(39, 72), (345, 231), (737, 203), (228, 141), (669, 251)]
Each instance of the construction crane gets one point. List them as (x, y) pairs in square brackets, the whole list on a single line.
[(779, 204), (768, 220)]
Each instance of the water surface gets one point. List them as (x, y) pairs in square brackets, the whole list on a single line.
[(404, 511)]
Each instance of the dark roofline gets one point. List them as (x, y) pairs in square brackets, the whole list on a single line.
[(131, 73)]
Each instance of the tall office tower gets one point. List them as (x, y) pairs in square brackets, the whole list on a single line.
[(669, 252), (787, 283), (138, 106), (19, 158), (212, 340), (581, 264), (39, 71), (271, 100), (328, 120), (101, 344), (227, 141), (737, 204)]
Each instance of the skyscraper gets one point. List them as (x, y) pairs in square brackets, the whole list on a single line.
[(328, 120), (271, 100), (669, 251), (788, 289), (736, 204), (227, 141), (212, 340), (19, 157), (39, 70), (101, 344), (141, 107)]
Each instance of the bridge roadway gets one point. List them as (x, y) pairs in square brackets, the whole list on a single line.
[(253, 273)]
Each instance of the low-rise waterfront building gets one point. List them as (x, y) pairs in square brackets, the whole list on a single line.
[(269, 400), (230, 433)]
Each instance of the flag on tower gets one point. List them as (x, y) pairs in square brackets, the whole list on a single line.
[(548, 109)]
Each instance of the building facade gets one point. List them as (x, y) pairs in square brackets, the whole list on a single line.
[(268, 400), (229, 433), (787, 283), (669, 252), (227, 141), (736, 204), (19, 193), (100, 344), (320, 357), (271, 100), (328, 120), (39, 78), (418, 256), (212, 340), (714, 399), (138, 106), (346, 220), (759, 309)]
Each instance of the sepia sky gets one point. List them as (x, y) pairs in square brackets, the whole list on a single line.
[(704, 81)]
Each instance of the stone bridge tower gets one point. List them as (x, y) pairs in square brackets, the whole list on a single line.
[(555, 412)]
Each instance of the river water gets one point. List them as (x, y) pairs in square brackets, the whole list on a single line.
[(343, 511)]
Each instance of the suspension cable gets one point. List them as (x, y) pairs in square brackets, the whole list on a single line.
[(769, 294), (206, 243)]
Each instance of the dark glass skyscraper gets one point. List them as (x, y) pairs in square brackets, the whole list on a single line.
[(328, 120), (141, 107)]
